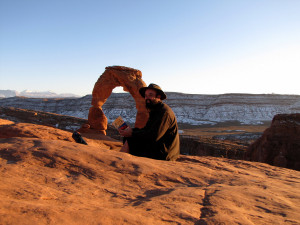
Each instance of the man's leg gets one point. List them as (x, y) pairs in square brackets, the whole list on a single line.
[(135, 147), (125, 147)]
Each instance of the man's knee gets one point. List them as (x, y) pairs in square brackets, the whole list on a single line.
[(125, 147)]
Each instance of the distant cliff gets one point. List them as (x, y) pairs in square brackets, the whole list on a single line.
[(191, 109), (280, 143)]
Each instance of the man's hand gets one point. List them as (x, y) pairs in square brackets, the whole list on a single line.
[(126, 132)]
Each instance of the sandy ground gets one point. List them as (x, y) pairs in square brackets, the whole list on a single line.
[(50, 179)]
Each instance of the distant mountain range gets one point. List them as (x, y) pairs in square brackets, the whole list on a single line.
[(33, 94), (193, 109)]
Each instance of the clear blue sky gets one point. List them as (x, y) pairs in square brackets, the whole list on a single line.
[(190, 46)]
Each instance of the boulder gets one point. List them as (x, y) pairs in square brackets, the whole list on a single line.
[(280, 143), (131, 81)]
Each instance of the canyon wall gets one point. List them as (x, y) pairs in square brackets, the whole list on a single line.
[(189, 108), (280, 143)]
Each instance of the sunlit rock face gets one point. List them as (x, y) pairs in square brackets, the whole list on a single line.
[(280, 144), (114, 76)]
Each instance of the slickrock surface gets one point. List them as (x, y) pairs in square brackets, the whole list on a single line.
[(280, 144), (49, 181), (10, 129)]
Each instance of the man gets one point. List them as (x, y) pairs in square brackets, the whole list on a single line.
[(159, 139)]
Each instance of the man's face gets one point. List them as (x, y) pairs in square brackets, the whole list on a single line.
[(151, 98)]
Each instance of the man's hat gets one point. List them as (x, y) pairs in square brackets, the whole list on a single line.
[(154, 87)]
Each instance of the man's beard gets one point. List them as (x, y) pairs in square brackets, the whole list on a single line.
[(150, 104)]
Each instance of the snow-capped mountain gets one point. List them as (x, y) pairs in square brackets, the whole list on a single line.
[(34, 94), (8, 93), (192, 109)]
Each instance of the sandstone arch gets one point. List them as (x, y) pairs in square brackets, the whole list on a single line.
[(128, 78)]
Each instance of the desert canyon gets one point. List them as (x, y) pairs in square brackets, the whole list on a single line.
[(48, 178)]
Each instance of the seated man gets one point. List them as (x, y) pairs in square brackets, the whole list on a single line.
[(159, 139)]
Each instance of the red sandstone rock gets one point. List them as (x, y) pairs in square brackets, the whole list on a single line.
[(97, 119), (114, 76), (280, 144)]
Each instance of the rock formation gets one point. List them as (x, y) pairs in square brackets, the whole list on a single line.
[(202, 146), (280, 144), (114, 76), (189, 144)]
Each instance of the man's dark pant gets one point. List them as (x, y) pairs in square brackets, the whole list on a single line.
[(140, 147)]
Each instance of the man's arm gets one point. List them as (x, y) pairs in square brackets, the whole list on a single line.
[(155, 129)]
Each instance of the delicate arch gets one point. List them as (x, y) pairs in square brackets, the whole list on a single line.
[(128, 78)]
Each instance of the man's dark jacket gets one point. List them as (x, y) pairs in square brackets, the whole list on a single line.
[(159, 139)]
